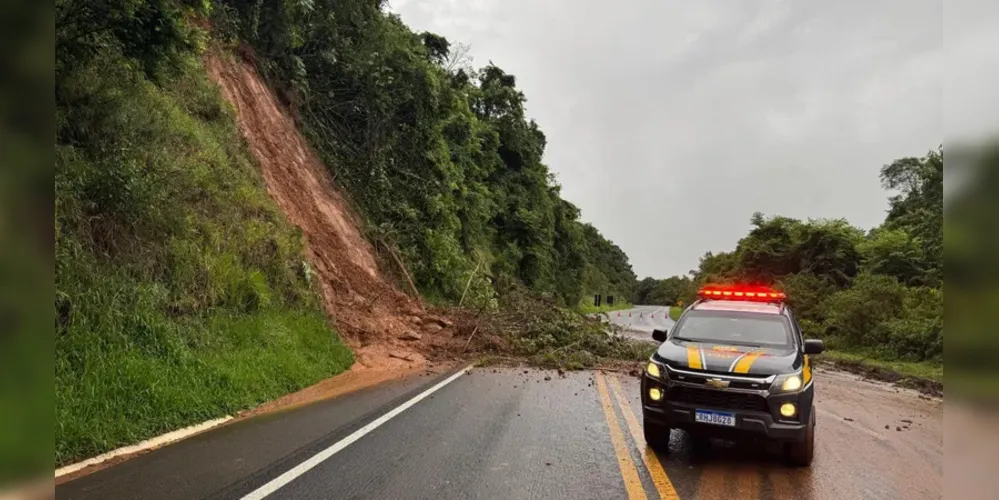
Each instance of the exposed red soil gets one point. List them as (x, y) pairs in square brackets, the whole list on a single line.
[(387, 329)]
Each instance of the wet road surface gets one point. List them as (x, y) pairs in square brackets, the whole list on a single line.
[(639, 321), (508, 433)]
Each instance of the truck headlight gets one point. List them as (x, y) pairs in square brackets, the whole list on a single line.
[(653, 370), (791, 384), (788, 383)]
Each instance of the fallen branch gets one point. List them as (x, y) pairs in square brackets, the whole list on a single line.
[(470, 338), (412, 287), (479, 263)]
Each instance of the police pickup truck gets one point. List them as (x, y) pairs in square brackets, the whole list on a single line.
[(734, 366)]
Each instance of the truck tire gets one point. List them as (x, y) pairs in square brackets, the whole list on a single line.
[(657, 436), (801, 454)]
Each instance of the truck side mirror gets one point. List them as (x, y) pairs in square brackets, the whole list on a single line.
[(659, 335), (814, 346)]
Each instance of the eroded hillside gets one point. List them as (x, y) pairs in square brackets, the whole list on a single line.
[(385, 326)]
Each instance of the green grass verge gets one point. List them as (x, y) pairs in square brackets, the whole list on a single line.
[(675, 312), (923, 370), (181, 291), (119, 394), (587, 307)]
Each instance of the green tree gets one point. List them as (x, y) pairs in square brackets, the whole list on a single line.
[(918, 208), (894, 252)]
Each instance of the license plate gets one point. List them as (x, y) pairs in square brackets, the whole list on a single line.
[(715, 417)]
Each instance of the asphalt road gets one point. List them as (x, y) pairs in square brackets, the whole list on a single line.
[(509, 433), (639, 321)]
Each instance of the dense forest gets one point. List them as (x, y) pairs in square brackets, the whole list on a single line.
[(440, 157), (879, 292)]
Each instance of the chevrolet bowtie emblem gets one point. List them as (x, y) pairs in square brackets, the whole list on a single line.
[(717, 383)]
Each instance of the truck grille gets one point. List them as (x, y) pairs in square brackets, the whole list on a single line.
[(717, 399)]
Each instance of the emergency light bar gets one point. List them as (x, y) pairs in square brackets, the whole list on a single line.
[(736, 292)]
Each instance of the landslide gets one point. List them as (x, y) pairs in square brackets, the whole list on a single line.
[(387, 328)]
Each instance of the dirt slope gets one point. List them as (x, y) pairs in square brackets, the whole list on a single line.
[(387, 328)]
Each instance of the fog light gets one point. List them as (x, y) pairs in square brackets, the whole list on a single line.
[(655, 394), (788, 410)]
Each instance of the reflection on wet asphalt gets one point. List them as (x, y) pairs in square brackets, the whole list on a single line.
[(638, 322), (856, 455), (516, 433)]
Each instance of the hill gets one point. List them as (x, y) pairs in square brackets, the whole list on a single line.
[(211, 255)]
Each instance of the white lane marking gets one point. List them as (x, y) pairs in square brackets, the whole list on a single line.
[(156, 442), (276, 483)]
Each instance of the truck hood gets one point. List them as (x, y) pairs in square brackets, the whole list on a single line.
[(726, 359)]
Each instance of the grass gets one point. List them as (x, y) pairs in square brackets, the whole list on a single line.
[(587, 307), (675, 312), (181, 293), (923, 370), (126, 393)]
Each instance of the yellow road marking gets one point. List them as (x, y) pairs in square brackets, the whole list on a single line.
[(659, 478), (746, 362), (694, 358), (629, 473)]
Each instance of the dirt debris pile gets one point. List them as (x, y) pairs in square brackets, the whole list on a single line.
[(385, 327)]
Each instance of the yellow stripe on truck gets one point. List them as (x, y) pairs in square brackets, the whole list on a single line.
[(746, 362), (694, 358), (806, 373)]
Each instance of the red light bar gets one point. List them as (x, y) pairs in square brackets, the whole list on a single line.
[(741, 292)]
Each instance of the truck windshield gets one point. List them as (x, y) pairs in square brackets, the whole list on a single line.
[(734, 328)]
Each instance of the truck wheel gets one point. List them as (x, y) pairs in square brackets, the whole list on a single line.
[(657, 436), (800, 454)]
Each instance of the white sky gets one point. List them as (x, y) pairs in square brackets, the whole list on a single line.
[(670, 122)]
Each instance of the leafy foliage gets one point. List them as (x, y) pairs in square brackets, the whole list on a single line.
[(879, 292), (555, 337), (440, 158), (181, 291), (179, 286), (667, 292)]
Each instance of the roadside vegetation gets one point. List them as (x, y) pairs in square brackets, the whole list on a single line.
[(181, 291), (586, 306), (437, 154), (675, 312), (875, 295), (906, 369), (544, 334)]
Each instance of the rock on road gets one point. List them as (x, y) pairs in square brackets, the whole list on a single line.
[(512, 433)]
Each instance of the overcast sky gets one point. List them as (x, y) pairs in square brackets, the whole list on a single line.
[(670, 122)]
